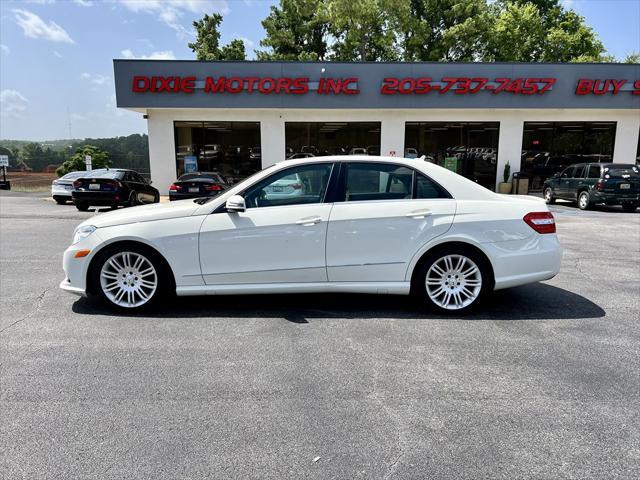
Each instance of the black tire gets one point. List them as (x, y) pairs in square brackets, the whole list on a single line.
[(584, 202), (419, 280), (83, 207), (133, 199), (60, 200), (164, 290), (156, 198), (629, 208), (549, 198)]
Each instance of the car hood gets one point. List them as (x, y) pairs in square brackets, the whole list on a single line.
[(144, 213)]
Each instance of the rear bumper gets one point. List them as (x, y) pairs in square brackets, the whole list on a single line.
[(60, 192), (98, 198), (614, 198), (518, 262), (186, 196)]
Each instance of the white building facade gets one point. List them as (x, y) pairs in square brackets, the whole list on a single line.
[(238, 117)]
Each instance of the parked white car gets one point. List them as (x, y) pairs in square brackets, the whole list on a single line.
[(62, 187), (364, 224)]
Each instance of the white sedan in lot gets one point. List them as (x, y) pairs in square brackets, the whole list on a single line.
[(362, 224)]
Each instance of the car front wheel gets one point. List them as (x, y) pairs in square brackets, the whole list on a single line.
[(131, 279), (452, 281), (548, 196), (584, 202)]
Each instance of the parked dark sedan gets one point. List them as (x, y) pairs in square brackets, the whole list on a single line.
[(197, 184), (590, 184), (112, 187)]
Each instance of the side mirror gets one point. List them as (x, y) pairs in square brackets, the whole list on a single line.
[(556, 175), (235, 203)]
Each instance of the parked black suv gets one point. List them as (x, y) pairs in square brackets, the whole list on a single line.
[(589, 184)]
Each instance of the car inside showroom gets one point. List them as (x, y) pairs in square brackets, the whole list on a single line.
[(235, 118)]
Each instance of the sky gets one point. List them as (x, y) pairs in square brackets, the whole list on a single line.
[(56, 70)]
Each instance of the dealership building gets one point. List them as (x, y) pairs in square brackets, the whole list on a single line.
[(238, 117)]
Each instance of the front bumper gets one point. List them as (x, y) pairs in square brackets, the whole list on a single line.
[(76, 268), (67, 287)]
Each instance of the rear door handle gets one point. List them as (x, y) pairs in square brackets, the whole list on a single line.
[(307, 222), (419, 213)]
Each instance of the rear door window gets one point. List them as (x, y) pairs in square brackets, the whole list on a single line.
[(377, 181), (427, 188)]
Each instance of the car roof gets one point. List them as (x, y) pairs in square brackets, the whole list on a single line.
[(459, 186)]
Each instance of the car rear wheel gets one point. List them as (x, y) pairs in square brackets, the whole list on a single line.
[(83, 207), (584, 202), (548, 196), (131, 279), (452, 281), (133, 200), (629, 207)]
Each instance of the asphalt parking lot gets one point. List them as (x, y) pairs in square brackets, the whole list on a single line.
[(543, 382)]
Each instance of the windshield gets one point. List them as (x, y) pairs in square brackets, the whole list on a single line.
[(71, 175), (104, 174), (204, 176)]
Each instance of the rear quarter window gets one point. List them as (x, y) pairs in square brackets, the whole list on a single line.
[(622, 172)]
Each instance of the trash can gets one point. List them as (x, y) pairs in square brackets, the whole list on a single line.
[(520, 184)]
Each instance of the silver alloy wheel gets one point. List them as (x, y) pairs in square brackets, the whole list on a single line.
[(128, 279), (547, 195), (453, 282), (584, 200)]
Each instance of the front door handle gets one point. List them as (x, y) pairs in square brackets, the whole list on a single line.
[(419, 213), (307, 222)]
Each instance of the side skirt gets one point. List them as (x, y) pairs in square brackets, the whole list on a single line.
[(390, 288)]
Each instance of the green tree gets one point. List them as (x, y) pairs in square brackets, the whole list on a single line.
[(207, 44), (540, 31), (296, 30), (441, 30), (632, 58), (99, 159), (362, 30)]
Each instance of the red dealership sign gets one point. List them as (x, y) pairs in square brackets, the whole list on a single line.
[(587, 86), (390, 85)]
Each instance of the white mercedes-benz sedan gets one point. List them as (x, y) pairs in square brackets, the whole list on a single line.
[(361, 224)]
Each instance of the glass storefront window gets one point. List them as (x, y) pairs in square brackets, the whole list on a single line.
[(548, 147), (315, 139), (231, 149), (470, 149)]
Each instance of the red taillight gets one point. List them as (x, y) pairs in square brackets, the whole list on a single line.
[(212, 188), (541, 222), (77, 184), (297, 186), (113, 183), (175, 188), (599, 186)]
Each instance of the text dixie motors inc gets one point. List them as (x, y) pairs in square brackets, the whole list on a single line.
[(390, 85)]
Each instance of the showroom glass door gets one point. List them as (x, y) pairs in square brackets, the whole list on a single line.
[(469, 149), (231, 149), (549, 147)]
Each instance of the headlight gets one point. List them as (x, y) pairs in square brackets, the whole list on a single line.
[(82, 232)]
